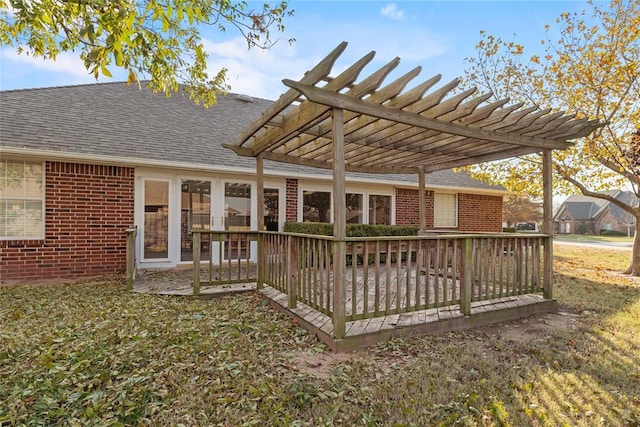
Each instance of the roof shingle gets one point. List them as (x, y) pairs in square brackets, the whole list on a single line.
[(116, 120)]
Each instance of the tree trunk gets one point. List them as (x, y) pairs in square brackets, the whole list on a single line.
[(634, 266)]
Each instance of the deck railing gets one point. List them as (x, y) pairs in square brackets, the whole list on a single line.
[(232, 257), (131, 257), (300, 266), (383, 275), (390, 275)]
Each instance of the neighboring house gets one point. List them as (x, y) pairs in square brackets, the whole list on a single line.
[(583, 214), (81, 164)]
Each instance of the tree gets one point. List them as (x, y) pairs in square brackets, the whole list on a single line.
[(159, 40), (517, 209), (593, 70)]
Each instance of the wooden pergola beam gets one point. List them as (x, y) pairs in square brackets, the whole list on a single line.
[(307, 113), (339, 226), (338, 100), (313, 76)]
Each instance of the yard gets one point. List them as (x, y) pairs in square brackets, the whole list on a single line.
[(97, 354)]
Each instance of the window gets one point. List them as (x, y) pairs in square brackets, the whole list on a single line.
[(237, 206), (271, 209), (608, 226), (445, 210), (21, 200), (316, 206), (354, 208), (379, 209)]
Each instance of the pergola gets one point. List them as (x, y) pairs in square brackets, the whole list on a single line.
[(345, 124)]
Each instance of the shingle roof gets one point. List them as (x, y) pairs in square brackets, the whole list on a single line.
[(116, 120), (619, 214), (581, 207)]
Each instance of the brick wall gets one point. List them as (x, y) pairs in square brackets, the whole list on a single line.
[(475, 212), (619, 226), (87, 210), (576, 226), (408, 206), (479, 213), (292, 200)]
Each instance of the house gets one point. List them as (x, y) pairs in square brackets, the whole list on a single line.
[(79, 165), (591, 215)]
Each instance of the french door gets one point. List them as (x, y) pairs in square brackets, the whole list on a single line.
[(218, 205)]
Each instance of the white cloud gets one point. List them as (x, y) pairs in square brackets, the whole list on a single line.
[(22, 70), (65, 62), (257, 72), (260, 72), (391, 11)]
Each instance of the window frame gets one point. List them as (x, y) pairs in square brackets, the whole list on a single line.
[(391, 207), (41, 199), (315, 189), (435, 209), (362, 205)]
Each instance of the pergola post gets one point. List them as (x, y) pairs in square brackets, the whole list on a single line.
[(339, 226), (547, 223), (422, 199), (260, 211)]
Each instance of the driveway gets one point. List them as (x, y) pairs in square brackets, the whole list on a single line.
[(621, 246)]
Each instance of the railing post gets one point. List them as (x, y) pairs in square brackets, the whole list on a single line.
[(466, 276), (547, 222), (339, 272), (517, 263), (195, 241), (292, 272), (261, 261), (339, 226), (131, 257)]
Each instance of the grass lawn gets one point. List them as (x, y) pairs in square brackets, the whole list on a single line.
[(591, 238), (95, 354)]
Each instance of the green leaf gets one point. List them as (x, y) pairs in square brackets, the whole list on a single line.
[(105, 71)]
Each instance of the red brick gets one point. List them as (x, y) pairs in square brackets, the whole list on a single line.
[(81, 228)]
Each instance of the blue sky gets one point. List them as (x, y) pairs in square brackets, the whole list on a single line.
[(437, 35)]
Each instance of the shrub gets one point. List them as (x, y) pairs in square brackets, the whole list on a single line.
[(321, 228), (353, 230), (612, 233), (508, 229)]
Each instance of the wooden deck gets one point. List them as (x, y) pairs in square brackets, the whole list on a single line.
[(179, 282), (382, 301), (365, 332)]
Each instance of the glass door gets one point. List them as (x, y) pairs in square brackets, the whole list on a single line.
[(237, 217), (195, 214), (156, 220)]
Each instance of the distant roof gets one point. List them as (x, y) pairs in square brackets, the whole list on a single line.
[(581, 207), (120, 122)]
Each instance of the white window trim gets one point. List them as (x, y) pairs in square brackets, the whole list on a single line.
[(457, 196), (42, 199)]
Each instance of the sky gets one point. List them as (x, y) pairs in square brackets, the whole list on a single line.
[(436, 35)]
